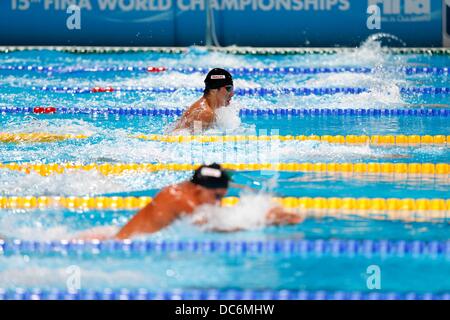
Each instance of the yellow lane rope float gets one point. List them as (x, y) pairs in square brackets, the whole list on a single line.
[(414, 169), (37, 137), (374, 208), (410, 140)]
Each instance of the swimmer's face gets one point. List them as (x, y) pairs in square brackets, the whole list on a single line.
[(211, 196), (225, 94)]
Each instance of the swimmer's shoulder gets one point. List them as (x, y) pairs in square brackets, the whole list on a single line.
[(207, 115), (175, 199), (200, 111), (197, 106), (170, 194)]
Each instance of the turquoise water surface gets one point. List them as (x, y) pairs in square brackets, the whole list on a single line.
[(111, 140)]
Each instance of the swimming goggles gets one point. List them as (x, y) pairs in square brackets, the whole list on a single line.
[(229, 88)]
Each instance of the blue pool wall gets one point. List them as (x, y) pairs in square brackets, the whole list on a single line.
[(261, 23)]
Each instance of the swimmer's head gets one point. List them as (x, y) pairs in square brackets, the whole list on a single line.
[(220, 82), (213, 180), (211, 177)]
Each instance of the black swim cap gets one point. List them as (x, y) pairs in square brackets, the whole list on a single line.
[(211, 177), (217, 78)]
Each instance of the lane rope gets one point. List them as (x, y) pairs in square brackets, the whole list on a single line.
[(406, 140), (37, 137), (405, 209), (245, 112), (379, 140), (317, 247), (211, 294), (230, 50), (320, 91), (235, 71), (383, 168)]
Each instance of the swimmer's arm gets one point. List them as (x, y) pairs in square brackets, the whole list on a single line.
[(155, 216), (280, 216), (202, 221), (97, 233)]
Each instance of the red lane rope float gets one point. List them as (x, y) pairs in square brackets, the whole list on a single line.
[(102, 89), (156, 69), (47, 110)]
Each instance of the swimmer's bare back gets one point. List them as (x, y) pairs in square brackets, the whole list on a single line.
[(170, 204), (200, 111), (182, 199), (167, 206)]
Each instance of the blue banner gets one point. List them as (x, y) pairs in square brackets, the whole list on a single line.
[(289, 23)]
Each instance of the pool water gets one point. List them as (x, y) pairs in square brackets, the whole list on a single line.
[(111, 139)]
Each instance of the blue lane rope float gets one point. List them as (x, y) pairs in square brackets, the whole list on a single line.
[(236, 71), (317, 247), (237, 91), (210, 294), (244, 112), (346, 112), (319, 91)]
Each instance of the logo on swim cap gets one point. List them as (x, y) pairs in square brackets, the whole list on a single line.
[(218, 76), (209, 172)]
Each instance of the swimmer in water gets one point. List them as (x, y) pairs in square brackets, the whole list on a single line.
[(208, 185), (218, 92)]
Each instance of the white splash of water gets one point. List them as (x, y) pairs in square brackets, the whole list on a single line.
[(124, 149), (374, 98), (31, 124), (250, 213), (22, 275), (227, 118), (315, 150), (370, 53), (37, 233), (175, 80), (371, 80), (72, 182), (227, 121), (205, 59), (33, 225)]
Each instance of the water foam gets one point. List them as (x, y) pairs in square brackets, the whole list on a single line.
[(36, 233), (199, 57), (27, 274), (70, 183), (315, 151), (34, 225), (30, 124), (250, 213), (227, 118)]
